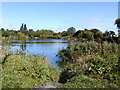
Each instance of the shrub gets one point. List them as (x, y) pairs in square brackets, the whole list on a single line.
[(104, 68), (88, 60), (74, 51), (82, 81)]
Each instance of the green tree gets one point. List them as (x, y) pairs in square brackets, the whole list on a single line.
[(79, 35), (21, 35), (2, 29), (64, 33), (95, 30), (30, 30), (5, 33), (105, 35), (99, 36), (21, 28), (117, 22), (112, 33), (71, 30), (88, 35), (25, 27), (44, 33)]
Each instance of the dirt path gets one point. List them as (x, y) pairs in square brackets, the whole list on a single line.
[(49, 85)]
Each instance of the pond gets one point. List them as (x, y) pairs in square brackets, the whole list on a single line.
[(46, 47)]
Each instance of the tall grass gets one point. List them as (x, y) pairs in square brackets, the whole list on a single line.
[(24, 71), (20, 71)]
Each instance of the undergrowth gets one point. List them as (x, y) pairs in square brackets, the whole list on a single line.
[(21, 71)]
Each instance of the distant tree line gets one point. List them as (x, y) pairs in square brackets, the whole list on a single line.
[(70, 33)]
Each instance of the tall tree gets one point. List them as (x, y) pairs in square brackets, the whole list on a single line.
[(71, 30), (25, 27), (117, 22), (112, 33), (2, 29), (21, 28)]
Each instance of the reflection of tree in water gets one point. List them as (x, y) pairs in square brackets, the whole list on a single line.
[(23, 47)]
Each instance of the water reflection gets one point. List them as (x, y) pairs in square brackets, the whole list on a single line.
[(23, 47)]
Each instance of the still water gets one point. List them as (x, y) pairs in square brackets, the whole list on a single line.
[(46, 47)]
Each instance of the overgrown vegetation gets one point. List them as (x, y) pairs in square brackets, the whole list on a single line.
[(99, 62), (82, 81), (21, 71)]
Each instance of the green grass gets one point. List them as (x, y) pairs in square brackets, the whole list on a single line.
[(20, 71)]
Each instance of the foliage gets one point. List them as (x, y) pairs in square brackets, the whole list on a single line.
[(112, 33), (45, 33), (23, 27), (64, 33), (82, 81), (72, 69), (117, 21), (95, 30), (86, 35), (71, 31), (20, 35), (74, 51), (70, 34), (20, 71), (104, 68), (87, 59)]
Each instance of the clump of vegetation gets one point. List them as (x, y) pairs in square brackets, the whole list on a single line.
[(82, 81), (88, 59), (104, 68), (20, 71), (74, 51)]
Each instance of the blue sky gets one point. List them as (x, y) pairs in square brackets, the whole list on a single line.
[(60, 15)]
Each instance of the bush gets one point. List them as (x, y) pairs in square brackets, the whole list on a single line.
[(20, 71), (104, 67), (88, 60), (82, 81), (74, 51)]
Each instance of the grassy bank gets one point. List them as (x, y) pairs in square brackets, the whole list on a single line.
[(90, 65), (86, 65), (20, 71)]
